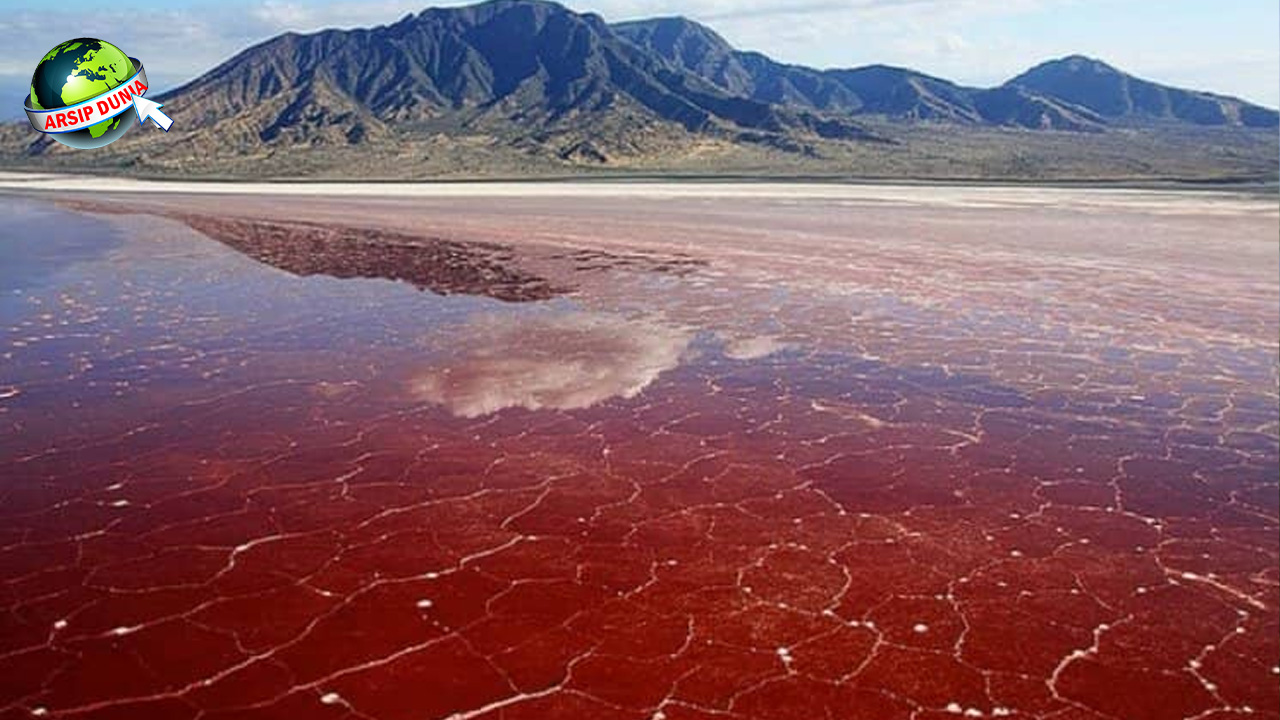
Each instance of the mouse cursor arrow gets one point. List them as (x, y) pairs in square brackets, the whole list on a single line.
[(150, 109)]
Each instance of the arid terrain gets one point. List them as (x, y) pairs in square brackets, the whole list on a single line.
[(533, 89), (637, 451)]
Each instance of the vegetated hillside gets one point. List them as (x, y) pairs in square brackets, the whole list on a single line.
[(532, 72), (527, 87)]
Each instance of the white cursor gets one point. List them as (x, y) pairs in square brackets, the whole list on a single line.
[(149, 109)]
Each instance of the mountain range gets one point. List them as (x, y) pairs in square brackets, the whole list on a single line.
[(527, 86), (1073, 93)]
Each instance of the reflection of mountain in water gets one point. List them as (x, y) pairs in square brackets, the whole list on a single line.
[(445, 267), (560, 362)]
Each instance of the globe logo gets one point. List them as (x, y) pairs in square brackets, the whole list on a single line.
[(82, 92)]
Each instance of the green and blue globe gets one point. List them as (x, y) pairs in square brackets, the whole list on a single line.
[(77, 70)]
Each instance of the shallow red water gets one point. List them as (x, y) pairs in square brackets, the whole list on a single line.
[(229, 492)]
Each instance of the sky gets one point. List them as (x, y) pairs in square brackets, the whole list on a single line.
[(1227, 46)]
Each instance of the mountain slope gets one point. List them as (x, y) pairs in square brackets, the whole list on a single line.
[(1120, 97), (1074, 93), (701, 51), (523, 87), (896, 93), (523, 75), (531, 66)]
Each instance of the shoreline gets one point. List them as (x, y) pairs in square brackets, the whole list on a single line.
[(1251, 185), (953, 195)]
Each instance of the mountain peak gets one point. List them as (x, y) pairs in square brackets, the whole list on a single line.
[(1075, 64), (500, 5), (693, 47), (670, 24), (1117, 96), (677, 36), (532, 79), (531, 72), (537, 11)]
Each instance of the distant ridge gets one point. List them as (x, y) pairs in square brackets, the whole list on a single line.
[(1117, 96), (515, 87), (1074, 93)]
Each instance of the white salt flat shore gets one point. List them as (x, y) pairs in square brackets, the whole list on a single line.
[(962, 196)]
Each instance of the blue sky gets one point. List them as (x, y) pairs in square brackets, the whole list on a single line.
[(1228, 46)]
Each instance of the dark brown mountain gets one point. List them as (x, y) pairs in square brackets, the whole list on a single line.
[(1122, 98), (700, 50), (527, 67), (892, 92), (903, 94), (518, 87), (1075, 93)]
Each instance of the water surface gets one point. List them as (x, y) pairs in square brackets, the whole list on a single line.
[(755, 460)]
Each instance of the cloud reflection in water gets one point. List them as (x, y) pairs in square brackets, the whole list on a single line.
[(557, 362), (751, 348)]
